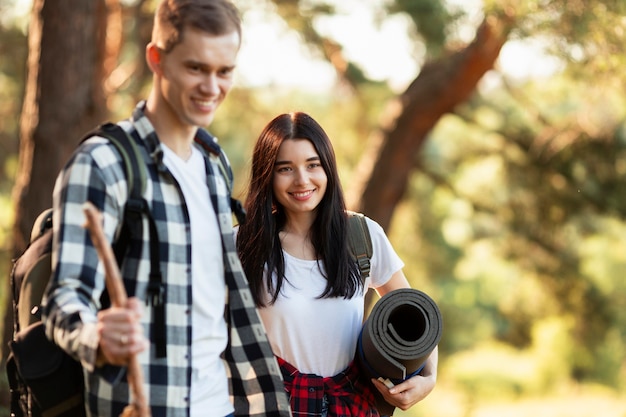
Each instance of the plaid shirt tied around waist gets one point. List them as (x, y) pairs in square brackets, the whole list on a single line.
[(346, 395)]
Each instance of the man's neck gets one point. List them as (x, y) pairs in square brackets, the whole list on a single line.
[(175, 135)]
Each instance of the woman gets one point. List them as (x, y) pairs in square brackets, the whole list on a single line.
[(294, 250)]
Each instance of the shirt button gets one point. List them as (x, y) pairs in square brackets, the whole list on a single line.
[(311, 389)]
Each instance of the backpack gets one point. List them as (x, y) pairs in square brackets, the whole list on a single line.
[(360, 242), (43, 379)]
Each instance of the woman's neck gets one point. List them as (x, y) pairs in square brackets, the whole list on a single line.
[(295, 238), (297, 245)]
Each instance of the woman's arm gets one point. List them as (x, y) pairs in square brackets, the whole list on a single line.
[(397, 281), (414, 389)]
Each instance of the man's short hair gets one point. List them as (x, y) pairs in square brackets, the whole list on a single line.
[(216, 17)]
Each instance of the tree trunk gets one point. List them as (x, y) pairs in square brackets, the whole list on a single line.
[(441, 85), (63, 99), (438, 89)]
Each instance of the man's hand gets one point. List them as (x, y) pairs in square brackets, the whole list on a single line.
[(121, 334)]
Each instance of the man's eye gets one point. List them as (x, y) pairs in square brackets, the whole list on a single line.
[(226, 72)]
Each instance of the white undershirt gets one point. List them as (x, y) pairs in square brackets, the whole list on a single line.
[(316, 335), (209, 383)]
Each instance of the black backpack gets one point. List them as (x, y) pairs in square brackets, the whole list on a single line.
[(43, 379)]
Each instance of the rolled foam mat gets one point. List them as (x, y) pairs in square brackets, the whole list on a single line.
[(397, 338)]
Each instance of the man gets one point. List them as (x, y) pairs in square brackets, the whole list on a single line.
[(192, 56)]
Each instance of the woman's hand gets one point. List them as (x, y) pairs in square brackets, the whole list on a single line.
[(413, 390)]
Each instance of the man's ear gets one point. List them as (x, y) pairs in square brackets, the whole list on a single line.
[(153, 57)]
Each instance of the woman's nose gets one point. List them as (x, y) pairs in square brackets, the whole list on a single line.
[(301, 176)]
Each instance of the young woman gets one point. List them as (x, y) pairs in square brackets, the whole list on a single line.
[(294, 250)]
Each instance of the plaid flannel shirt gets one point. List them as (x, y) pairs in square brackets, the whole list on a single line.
[(344, 394), (95, 173)]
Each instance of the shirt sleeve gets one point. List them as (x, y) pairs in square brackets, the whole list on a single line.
[(385, 261), (94, 173)]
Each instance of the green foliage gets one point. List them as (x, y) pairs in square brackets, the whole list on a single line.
[(13, 50), (431, 19), (588, 34), (518, 203), (11, 91)]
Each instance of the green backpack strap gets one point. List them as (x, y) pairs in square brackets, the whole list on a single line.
[(360, 242), (132, 228), (136, 174)]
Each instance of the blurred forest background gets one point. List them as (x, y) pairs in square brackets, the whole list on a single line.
[(487, 137)]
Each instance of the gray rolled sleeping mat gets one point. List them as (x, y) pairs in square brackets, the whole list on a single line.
[(397, 338)]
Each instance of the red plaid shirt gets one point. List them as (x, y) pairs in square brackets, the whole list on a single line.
[(346, 394)]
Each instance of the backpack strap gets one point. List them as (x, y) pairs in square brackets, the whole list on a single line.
[(360, 242), (208, 142), (132, 224)]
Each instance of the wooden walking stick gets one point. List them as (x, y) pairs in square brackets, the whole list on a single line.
[(115, 286)]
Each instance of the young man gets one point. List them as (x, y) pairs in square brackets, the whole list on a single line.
[(192, 56)]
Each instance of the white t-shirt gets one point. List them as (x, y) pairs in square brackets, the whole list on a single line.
[(319, 336), (209, 383)]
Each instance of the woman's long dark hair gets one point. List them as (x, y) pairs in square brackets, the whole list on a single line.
[(258, 241)]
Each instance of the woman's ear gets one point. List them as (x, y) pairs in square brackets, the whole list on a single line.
[(153, 57)]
